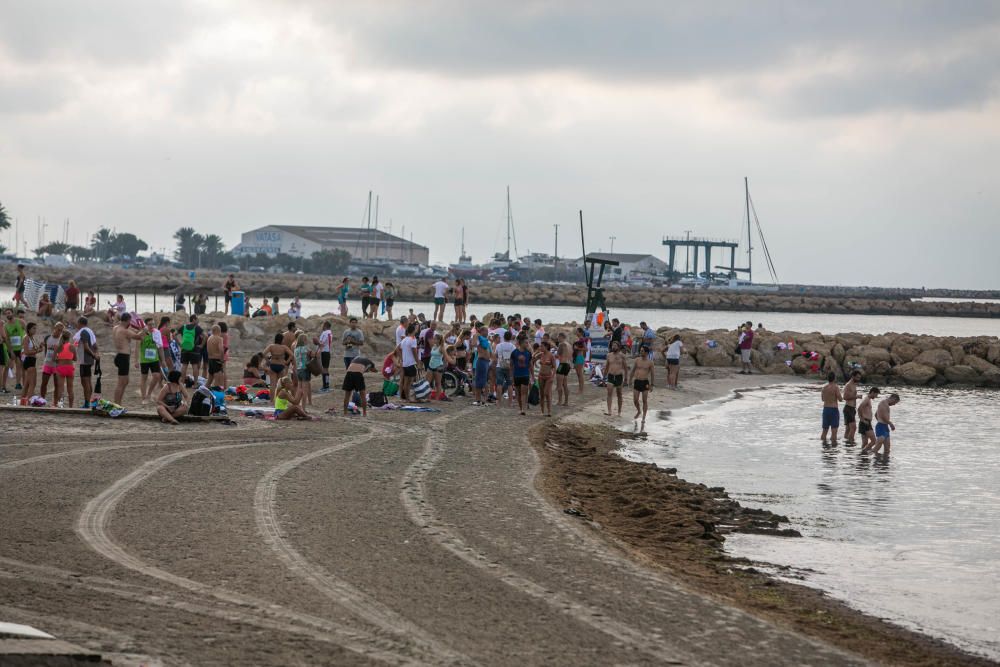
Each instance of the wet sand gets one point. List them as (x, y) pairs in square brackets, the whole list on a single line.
[(680, 526)]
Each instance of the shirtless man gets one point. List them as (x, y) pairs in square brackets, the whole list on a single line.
[(122, 336), (216, 355), (865, 419), (850, 407), (616, 371), (642, 381), (831, 407), (565, 355), (883, 424), (288, 338)]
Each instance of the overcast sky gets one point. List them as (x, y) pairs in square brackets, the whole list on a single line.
[(870, 131)]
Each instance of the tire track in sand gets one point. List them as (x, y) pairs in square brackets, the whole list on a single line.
[(421, 512), (335, 588), (92, 528)]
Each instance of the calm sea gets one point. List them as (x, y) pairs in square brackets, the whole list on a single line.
[(692, 319), (915, 540)]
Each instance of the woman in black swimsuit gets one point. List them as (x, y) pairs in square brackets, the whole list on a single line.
[(170, 403)]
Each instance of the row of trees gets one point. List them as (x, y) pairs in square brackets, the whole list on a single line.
[(197, 251), (104, 245)]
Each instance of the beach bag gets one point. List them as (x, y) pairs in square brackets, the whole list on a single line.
[(188, 337), (315, 367), (376, 399), (201, 402), (534, 395), (107, 408), (421, 389), (390, 388)]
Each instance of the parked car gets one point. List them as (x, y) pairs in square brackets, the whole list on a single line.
[(230, 268), (257, 269)]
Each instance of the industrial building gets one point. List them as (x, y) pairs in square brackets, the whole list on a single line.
[(364, 244)]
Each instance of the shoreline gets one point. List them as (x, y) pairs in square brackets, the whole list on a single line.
[(679, 526), (175, 281)]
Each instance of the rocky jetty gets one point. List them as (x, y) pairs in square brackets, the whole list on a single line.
[(169, 282), (882, 359)]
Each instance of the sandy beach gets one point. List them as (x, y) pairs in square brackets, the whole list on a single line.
[(403, 538)]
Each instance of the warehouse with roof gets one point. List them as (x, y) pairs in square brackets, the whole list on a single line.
[(362, 243)]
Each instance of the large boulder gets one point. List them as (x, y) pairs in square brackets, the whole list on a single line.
[(993, 354), (962, 375), (957, 354), (905, 351), (712, 356), (937, 359), (915, 373), (980, 365)]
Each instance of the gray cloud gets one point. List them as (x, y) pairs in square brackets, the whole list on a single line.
[(664, 43)]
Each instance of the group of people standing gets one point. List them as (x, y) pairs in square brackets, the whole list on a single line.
[(873, 423)]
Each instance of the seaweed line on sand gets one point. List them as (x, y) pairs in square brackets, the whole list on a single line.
[(670, 523)]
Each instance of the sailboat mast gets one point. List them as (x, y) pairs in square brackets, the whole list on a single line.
[(463, 241), (508, 222), (746, 186), (368, 234)]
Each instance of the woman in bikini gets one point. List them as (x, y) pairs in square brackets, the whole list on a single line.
[(546, 372), (170, 402), (278, 357), (29, 352), (580, 356), (287, 402)]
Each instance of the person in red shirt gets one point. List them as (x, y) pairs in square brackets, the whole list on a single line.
[(72, 296)]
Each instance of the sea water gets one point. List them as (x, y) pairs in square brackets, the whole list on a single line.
[(915, 539), (701, 320)]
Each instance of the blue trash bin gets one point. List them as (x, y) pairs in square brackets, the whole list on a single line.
[(238, 304)]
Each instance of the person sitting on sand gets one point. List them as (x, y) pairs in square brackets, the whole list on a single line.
[(171, 402), (287, 402), (642, 381), (884, 425), (616, 374), (831, 407), (865, 419), (45, 306), (252, 372), (89, 304)]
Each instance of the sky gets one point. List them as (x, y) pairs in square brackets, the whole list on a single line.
[(869, 131)]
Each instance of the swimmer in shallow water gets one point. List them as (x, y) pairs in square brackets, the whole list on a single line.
[(831, 408), (883, 425), (865, 417)]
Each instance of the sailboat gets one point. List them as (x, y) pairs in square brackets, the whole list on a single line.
[(503, 261), (465, 268), (735, 282)]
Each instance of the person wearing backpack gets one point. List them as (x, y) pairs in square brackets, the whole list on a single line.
[(192, 339)]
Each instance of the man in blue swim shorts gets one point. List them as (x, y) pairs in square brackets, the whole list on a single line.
[(831, 408), (883, 425)]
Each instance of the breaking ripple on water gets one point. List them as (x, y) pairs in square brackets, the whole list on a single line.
[(915, 539)]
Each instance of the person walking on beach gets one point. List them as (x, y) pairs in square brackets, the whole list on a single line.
[(642, 382), (883, 425), (850, 406), (746, 347), (122, 336), (831, 407), (376, 302), (352, 339), (342, 294), (865, 419), (440, 292), (483, 354), (673, 356), (616, 374)]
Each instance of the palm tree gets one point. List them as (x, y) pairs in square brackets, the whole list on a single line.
[(213, 247), (4, 218), (189, 245), (54, 248), (76, 253), (102, 243)]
